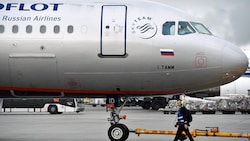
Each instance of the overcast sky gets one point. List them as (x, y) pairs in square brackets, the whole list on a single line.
[(228, 19)]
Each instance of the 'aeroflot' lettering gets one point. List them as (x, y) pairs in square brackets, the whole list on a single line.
[(29, 7)]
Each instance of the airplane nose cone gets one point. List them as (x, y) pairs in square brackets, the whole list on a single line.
[(235, 63)]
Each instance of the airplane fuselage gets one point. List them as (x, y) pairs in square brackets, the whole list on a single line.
[(100, 48)]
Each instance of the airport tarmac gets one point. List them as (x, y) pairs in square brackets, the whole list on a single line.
[(92, 125)]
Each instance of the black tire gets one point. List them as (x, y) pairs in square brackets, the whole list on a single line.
[(146, 105), (52, 109), (118, 132), (208, 112), (228, 112), (156, 106)]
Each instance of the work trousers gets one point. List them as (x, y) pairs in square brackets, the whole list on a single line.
[(181, 128)]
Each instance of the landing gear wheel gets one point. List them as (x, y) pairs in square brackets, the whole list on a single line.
[(118, 132)]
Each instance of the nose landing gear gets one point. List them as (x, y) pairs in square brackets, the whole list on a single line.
[(117, 131)]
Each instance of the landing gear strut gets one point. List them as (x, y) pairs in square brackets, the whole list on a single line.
[(117, 131)]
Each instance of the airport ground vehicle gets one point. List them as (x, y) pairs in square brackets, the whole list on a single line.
[(51, 105), (228, 104), (155, 102), (97, 101)]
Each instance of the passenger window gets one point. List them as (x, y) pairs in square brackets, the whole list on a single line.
[(185, 28), (28, 29), (168, 28), (42, 29), (14, 28), (70, 29), (56, 29), (1, 28)]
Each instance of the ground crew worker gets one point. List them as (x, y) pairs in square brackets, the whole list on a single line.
[(182, 122)]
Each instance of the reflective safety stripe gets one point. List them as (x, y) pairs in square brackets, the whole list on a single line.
[(181, 121), (180, 117)]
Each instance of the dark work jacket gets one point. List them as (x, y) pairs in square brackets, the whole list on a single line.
[(181, 116)]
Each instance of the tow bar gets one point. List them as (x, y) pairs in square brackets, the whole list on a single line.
[(213, 132)]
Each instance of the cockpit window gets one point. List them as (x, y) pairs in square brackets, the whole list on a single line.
[(201, 28), (168, 28), (185, 28)]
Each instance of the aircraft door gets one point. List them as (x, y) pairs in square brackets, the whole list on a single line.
[(113, 30)]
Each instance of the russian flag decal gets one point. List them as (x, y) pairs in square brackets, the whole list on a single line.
[(167, 52)]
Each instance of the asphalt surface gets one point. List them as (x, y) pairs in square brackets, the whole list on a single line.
[(92, 125)]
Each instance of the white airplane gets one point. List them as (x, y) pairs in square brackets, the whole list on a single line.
[(109, 48)]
